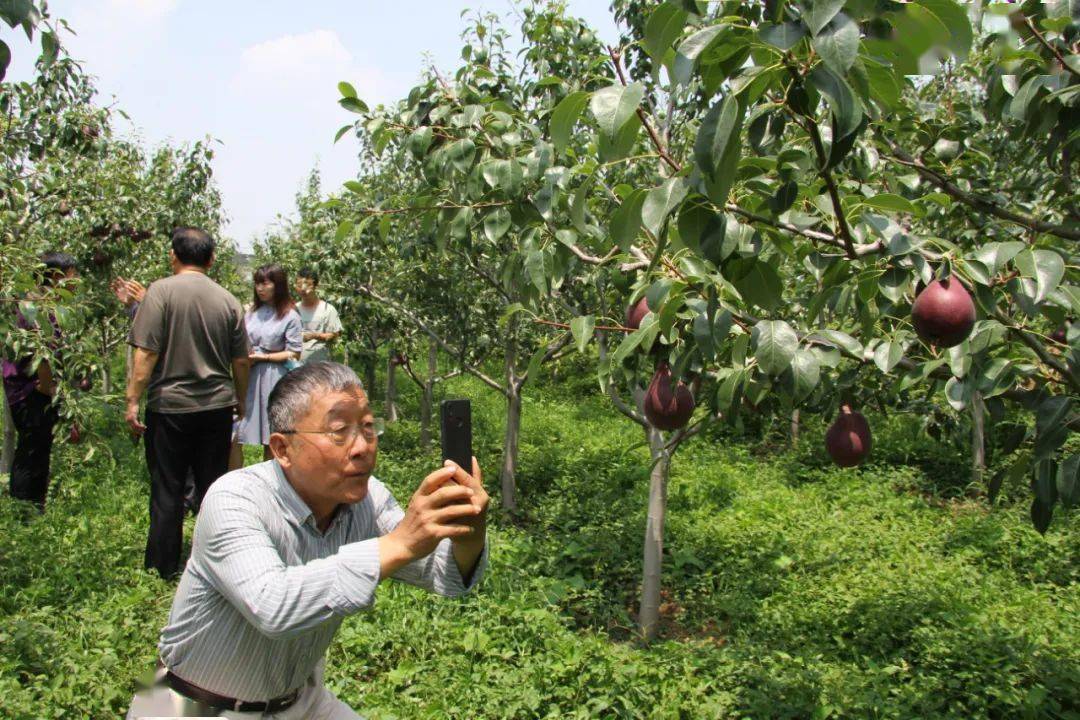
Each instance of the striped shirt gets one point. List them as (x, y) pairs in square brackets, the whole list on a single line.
[(264, 590)]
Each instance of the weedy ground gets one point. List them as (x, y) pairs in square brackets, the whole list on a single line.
[(792, 589)]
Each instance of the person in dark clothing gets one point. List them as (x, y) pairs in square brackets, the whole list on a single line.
[(191, 360), (30, 391)]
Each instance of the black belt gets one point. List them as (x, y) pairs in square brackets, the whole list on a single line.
[(220, 702)]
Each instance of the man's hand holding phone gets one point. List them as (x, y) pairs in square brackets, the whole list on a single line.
[(449, 503)]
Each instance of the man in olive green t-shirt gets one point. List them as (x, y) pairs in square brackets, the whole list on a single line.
[(191, 359)]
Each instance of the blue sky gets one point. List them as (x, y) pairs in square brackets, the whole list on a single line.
[(262, 77)]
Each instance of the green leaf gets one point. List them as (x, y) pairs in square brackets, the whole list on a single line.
[(691, 48), (954, 17), (894, 284), (1041, 515), (884, 87), (661, 201), (582, 328), (50, 48), (775, 343), (761, 286), (804, 374), (996, 377), (496, 223), (5, 58), (996, 254), (1068, 481), (16, 12), (1051, 425), (892, 203), (1045, 482), (344, 228), (664, 26), (564, 116), (818, 13), (846, 108), (958, 393), (577, 207), (719, 129), (346, 90), (419, 141), (626, 220), (647, 331), (838, 43), (510, 311), (1045, 266), (887, 354), (837, 339), (784, 36), (504, 175), (461, 154), (535, 362), (340, 133), (614, 105), (538, 267), (355, 105)]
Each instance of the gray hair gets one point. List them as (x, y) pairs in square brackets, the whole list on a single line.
[(291, 397)]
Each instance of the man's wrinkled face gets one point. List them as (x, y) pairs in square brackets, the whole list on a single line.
[(332, 453)]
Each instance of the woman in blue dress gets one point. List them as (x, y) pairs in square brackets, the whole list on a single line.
[(276, 334)]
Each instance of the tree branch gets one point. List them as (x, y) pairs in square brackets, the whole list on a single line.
[(980, 204), (656, 141), (1040, 350), (1043, 41), (453, 352)]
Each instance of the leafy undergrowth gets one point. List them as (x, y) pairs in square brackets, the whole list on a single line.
[(792, 589)]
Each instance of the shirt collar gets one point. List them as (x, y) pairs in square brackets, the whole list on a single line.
[(296, 509)]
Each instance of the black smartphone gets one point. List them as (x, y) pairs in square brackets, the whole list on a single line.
[(455, 419)]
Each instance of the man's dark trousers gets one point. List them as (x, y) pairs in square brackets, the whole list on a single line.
[(34, 419), (175, 444)]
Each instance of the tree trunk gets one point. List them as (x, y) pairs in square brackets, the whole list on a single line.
[(976, 10), (9, 437), (427, 399), (652, 563), (369, 375), (795, 427), (106, 379), (978, 437), (507, 475), (513, 425), (390, 405)]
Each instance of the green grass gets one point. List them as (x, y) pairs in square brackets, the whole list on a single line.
[(792, 589)]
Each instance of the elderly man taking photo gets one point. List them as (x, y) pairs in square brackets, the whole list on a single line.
[(283, 551)]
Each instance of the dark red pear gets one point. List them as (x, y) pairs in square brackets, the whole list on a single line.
[(636, 312), (86, 384), (665, 408), (101, 258), (63, 208), (1061, 335), (74, 435), (848, 439), (943, 313)]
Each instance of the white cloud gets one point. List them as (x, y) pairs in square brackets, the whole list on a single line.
[(288, 87), (309, 64)]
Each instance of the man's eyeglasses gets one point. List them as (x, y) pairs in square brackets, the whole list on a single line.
[(346, 435)]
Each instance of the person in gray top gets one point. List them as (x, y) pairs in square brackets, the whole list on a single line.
[(285, 550), (321, 322), (191, 361)]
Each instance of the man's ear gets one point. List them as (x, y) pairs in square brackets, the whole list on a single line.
[(213, 257), (279, 446)]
